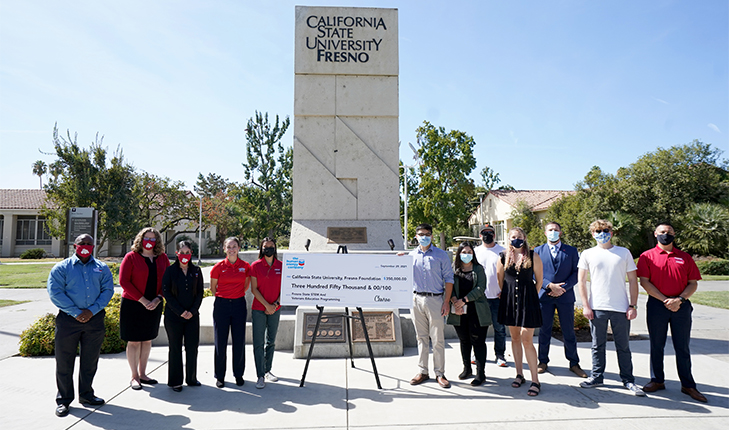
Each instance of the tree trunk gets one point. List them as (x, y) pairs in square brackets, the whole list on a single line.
[(442, 240)]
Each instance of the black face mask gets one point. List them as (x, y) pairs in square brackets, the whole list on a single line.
[(665, 239), (488, 237), (268, 252)]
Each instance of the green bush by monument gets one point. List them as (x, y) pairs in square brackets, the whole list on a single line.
[(33, 254), (713, 267)]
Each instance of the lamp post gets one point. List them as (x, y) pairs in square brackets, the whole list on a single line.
[(405, 175), (199, 234)]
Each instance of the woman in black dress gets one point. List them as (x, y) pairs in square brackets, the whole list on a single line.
[(140, 276), (520, 277), (182, 286)]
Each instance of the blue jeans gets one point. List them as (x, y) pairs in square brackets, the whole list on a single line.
[(499, 329), (659, 319), (265, 328), (621, 336), (566, 313)]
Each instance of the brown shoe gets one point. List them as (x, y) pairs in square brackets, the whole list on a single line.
[(419, 379), (653, 386), (577, 370), (694, 393), (541, 368), (443, 382)]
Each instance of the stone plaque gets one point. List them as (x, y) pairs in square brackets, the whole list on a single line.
[(380, 327), (346, 234), (331, 328)]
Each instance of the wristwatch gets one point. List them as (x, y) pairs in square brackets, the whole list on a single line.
[(633, 306), (683, 299)]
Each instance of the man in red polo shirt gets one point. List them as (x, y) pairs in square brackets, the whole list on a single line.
[(670, 277)]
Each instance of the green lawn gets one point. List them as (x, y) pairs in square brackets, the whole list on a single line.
[(24, 276), (716, 299), (715, 277), (4, 302)]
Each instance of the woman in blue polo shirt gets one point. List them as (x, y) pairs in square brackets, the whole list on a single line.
[(229, 281)]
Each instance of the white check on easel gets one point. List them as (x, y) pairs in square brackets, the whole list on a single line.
[(347, 280)]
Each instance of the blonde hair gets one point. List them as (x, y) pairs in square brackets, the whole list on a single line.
[(600, 225), (159, 247), (511, 252)]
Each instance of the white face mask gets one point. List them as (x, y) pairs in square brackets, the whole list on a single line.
[(466, 258)]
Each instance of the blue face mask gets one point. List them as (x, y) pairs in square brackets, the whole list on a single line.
[(553, 235), (466, 258), (602, 237), (517, 243), (424, 240)]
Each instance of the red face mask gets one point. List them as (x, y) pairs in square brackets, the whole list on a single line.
[(148, 243), (84, 251), (184, 258)]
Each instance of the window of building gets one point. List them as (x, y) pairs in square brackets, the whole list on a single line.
[(31, 230), (500, 228), (2, 228)]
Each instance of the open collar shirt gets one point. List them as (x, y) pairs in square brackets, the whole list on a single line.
[(670, 272), (432, 269), (74, 286)]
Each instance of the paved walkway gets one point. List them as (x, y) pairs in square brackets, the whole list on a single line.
[(337, 396)]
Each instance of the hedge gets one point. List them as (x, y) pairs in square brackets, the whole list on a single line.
[(33, 254), (713, 267)]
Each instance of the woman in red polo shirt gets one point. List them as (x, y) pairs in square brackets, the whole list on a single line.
[(266, 288), (229, 281), (140, 275)]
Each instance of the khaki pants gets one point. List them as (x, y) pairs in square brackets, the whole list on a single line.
[(429, 325)]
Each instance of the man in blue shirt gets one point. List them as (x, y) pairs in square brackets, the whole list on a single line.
[(81, 287), (433, 283)]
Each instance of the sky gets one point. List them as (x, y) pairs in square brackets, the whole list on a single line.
[(547, 89)]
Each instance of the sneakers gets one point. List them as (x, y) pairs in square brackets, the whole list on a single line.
[(591, 383), (261, 383), (270, 377), (501, 362), (636, 390)]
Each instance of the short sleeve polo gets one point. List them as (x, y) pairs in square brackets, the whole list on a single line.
[(668, 271), (268, 281), (231, 278)]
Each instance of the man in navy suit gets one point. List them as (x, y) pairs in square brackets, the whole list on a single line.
[(559, 263)]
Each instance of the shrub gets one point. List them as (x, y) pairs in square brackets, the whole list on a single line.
[(39, 338), (207, 293), (33, 254), (114, 267), (713, 267), (580, 320)]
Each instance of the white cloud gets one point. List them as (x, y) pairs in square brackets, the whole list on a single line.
[(714, 127), (660, 101)]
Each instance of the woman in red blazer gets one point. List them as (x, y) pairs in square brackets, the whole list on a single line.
[(140, 275)]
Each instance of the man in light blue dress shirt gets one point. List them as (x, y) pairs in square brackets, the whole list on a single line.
[(81, 287), (432, 286)]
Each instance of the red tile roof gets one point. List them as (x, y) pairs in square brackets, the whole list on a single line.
[(21, 199), (538, 200)]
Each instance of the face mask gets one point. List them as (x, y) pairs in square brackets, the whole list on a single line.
[(184, 258), (148, 243), (665, 239), (424, 240), (487, 237), (269, 252), (602, 237), (517, 243), (84, 251), (553, 235), (466, 258)]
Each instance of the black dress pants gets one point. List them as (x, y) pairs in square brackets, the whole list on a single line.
[(87, 337), (182, 332)]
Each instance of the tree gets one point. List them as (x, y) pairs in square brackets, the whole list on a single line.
[(88, 178), (489, 180), (266, 196), (215, 193), (444, 189), (705, 230), (524, 217), (40, 169), (166, 204)]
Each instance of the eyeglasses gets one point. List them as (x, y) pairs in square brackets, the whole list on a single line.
[(424, 234), (605, 230), (151, 239)]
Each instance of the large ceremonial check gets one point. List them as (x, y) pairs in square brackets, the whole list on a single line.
[(354, 280)]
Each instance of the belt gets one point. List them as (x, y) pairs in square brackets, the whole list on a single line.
[(427, 294)]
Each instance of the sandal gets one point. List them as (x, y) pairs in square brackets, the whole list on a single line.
[(534, 389), (518, 381)]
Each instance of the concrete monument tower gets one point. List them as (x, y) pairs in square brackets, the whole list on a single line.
[(345, 173)]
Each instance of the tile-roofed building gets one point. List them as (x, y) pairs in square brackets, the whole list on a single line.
[(22, 199), (21, 225), (497, 206)]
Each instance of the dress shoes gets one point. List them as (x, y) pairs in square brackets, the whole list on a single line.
[(239, 381), (467, 373), (61, 410), (194, 384), (177, 389), (149, 381), (220, 383), (653, 386), (541, 368), (443, 382), (419, 379), (694, 393), (92, 401), (577, 370)]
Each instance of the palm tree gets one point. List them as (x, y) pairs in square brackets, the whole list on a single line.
[(40, 169), (705, 230)]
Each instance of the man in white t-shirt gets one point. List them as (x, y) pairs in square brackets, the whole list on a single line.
[(487, 254), (607, 300)]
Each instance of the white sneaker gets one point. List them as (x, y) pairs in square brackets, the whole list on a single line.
[(635, 389), (501, 362), (261, 383), (270, 377)]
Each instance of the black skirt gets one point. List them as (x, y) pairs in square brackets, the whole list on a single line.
[(136, 323)]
